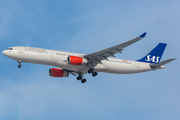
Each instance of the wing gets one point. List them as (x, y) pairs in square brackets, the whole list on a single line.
[(97, 57)]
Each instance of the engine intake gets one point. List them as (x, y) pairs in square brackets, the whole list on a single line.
[(74, 60), (56, 72)]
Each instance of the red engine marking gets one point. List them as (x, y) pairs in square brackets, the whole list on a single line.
[(75, 60), (55, 72)]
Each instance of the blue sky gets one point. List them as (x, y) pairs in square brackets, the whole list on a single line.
[(84, 27)]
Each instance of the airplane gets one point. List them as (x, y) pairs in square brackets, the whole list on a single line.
[(81, 64)]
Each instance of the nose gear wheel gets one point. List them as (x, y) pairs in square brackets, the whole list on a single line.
[(19, 66)]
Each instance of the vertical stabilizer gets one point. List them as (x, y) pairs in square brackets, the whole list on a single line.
[(155, 55)]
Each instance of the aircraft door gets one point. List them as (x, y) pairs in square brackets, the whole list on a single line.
[(20, 49), (137, 64), (52, 53)]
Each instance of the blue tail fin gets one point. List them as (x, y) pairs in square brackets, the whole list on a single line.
[(155, 55)]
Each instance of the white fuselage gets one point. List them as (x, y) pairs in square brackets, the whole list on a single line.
[(58, 59)]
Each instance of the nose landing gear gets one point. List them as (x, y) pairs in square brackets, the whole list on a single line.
[(19, 66)]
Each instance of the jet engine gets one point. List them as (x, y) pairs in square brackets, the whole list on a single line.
[(56, 72), (74, 60)]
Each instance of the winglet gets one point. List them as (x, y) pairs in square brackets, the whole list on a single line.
[(143, 35)]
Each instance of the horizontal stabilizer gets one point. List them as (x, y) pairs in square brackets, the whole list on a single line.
[(161, 63)]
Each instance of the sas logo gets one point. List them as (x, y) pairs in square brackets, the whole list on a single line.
[(153, 58)]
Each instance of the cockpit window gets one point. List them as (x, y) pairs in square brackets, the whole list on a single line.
[(10, 49)]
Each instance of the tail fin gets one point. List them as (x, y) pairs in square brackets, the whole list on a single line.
[(155, 55)]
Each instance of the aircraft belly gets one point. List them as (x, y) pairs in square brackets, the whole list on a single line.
[(76, 68), (100, 68)]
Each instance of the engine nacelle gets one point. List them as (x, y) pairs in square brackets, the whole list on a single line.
[(56, 72), (74, 60)]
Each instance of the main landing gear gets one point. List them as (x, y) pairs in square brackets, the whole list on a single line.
[(82, 80), (19, 66), (93, 73), (89, 71)]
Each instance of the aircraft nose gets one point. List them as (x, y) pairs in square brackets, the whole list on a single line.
[(8, 53), (4, 52)]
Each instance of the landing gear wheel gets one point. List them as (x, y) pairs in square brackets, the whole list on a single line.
[(90, 71), (19, 66), (94, 74), (79, 78), (83, 80)]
